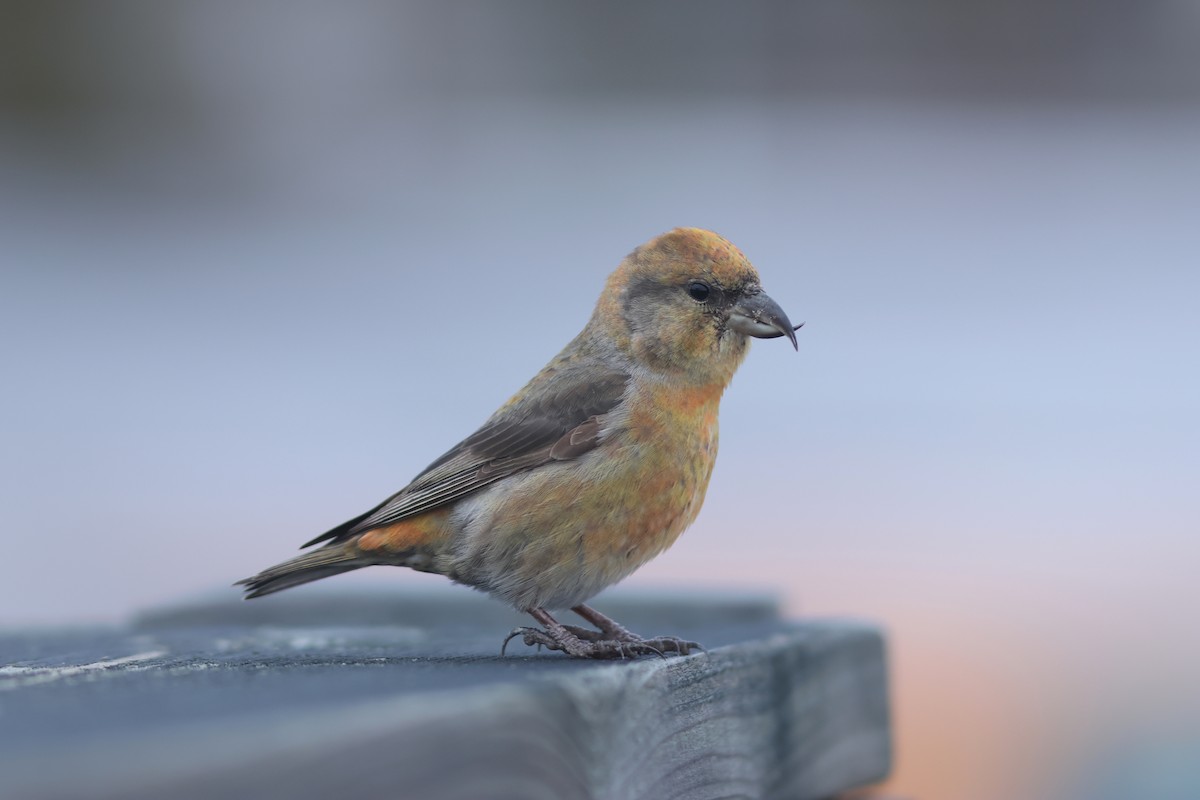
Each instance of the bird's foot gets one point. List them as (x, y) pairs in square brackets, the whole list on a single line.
[(567, 641), (673, 644), (611, 641), (611, 629), (663, 644)]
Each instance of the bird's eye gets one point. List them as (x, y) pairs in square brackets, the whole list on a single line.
[(698, 291)]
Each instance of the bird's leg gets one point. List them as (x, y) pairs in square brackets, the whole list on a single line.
[(611, 629), (556, 636)]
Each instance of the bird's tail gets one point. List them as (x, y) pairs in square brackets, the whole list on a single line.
[(332, 559)]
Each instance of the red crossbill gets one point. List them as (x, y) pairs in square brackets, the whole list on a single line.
[(593, 468)]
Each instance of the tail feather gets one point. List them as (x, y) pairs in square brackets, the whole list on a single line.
[(329, 560)]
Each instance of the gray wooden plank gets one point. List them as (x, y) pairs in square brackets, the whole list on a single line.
[(202, 706)]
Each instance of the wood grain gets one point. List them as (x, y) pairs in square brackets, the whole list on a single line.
[(786, 711)]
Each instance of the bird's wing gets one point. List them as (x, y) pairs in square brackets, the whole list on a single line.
[(559, 421)]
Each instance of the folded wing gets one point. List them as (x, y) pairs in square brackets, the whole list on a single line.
[(558, 418)]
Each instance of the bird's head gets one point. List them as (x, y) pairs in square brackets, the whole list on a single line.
[(686, 302)]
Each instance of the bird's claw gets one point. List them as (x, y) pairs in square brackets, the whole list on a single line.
[(665, 644), (673, 644), (593, 646), (515, 633)]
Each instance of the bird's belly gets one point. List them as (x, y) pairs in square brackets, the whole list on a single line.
[(558, 535)]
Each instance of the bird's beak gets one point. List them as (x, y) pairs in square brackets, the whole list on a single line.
[(759, 316)]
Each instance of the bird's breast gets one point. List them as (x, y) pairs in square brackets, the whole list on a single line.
[(671, 437), (557, 535)]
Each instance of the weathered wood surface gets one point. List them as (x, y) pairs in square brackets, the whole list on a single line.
[(404, 695)]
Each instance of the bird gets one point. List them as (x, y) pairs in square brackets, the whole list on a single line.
[(592, 469)]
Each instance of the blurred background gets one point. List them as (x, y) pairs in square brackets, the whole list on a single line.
[(262, 262)]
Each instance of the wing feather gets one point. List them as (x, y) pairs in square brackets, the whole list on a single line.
[(562, 423)]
